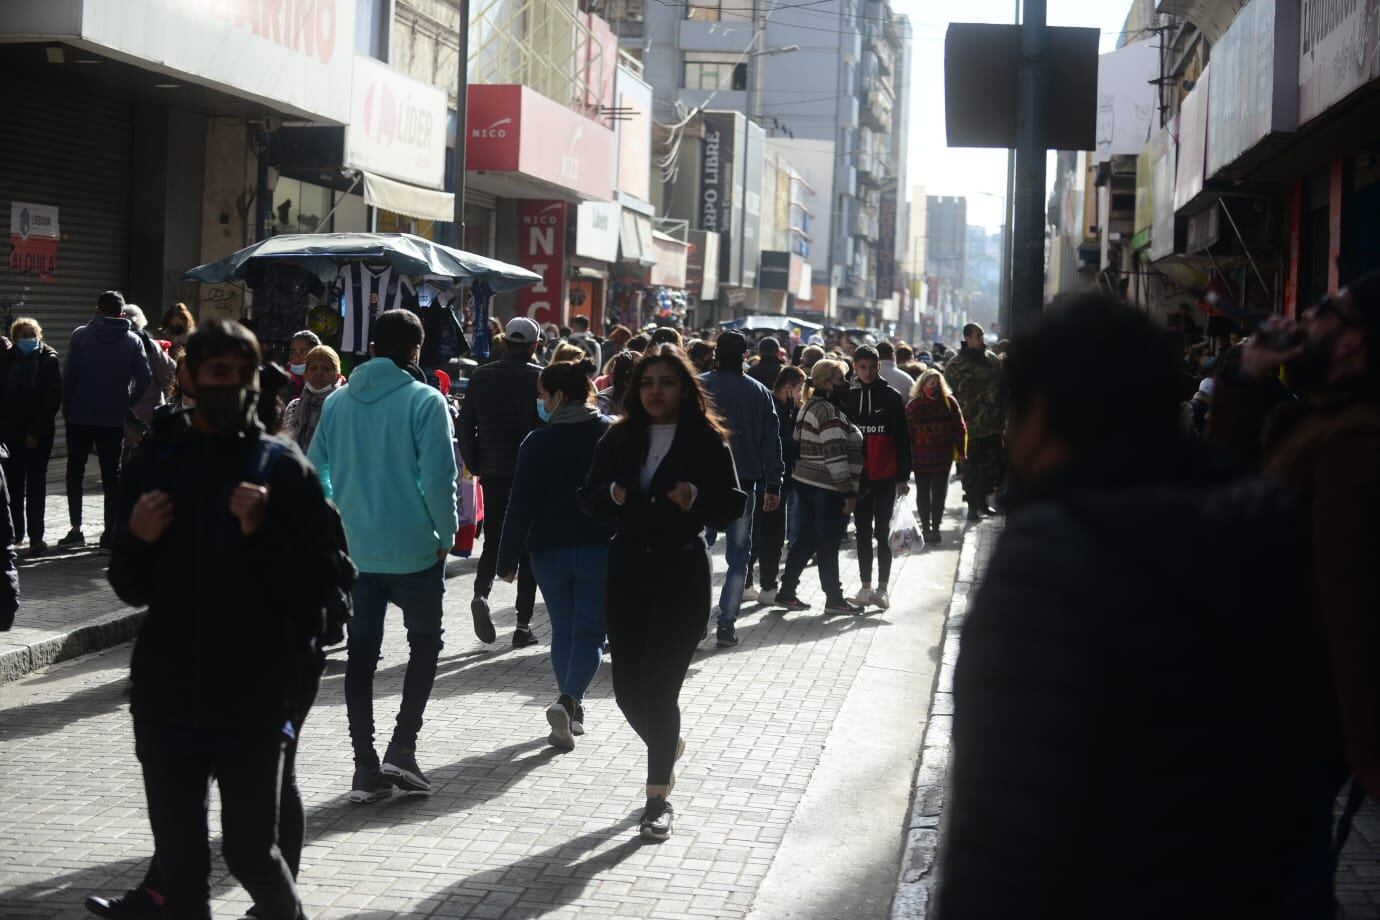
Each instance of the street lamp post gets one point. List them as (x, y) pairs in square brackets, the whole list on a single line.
[(754, 75), (462, 89)]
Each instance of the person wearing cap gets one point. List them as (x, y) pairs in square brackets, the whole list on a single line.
[(979, 383), (750, 413), (500, 409), (768, 366), (107, 370)]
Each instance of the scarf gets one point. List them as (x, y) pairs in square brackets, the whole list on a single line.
[(309, 415), (570, 414), (23, 377)]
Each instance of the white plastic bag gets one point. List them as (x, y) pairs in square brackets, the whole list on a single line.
[(905, 535)]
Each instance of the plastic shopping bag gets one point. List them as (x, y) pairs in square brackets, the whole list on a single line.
[(905, 535)]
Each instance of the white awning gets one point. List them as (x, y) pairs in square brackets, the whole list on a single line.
[(635, 238), (409, 200)]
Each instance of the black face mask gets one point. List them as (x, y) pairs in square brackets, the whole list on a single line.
[(227, 408)]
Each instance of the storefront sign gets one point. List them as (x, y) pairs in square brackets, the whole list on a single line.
[(397, 126), (754, 160), (672, 258), (1338, 44), (516, 129), (596, 230), (1254, 92), (1145, 210), (1192, 143), (634, 132), (34, 237), (776, 271), (295, 56), (541, 248), (702, 265), (1162, 178), (721, 189), (1127, 100)]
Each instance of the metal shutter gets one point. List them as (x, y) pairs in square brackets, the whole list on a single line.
[(70, 150)]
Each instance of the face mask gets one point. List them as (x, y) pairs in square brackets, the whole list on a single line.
[(317, 391), (541, 411), (227, 409), (27, 346), (298, 369)]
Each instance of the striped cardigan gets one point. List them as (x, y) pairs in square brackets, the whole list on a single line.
[(831, 448)]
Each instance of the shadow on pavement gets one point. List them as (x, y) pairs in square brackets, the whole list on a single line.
[(32, 720)]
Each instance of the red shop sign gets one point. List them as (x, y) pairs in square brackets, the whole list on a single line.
[(541, 248)]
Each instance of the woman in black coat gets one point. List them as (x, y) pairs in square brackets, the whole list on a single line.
[(662, 475), (31, 385)]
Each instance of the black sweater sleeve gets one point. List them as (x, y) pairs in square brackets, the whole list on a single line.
[(719, 501), (9, 572), (131, 559), (595, 497)]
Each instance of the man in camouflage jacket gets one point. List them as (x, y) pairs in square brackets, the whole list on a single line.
[(979, 384)]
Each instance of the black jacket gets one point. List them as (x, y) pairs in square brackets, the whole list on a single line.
[(879, 411), (499, 410), (648, 519), (30, 394), (235, 623), (9, 572), (765, 372), (1129, 697)]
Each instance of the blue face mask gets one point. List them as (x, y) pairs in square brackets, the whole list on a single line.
[(27, 346), (541, 411), (298, 369)]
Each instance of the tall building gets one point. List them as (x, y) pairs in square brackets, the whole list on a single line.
[(825, 82), (946, 223)]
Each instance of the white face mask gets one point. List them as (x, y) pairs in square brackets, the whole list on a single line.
[(317, 391)]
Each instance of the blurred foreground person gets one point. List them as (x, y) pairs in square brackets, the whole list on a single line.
[(1122, 741), (1325, 447)]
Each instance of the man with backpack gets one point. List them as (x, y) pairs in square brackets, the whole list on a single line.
[(226, 664)]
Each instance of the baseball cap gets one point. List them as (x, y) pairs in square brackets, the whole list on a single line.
[(522, 330)]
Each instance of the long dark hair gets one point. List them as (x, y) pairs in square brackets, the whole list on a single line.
[(620, 372), (571, 379), (696, 409)]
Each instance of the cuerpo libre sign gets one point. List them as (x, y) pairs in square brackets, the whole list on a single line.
[(293, 55), (1338, 45), (397, 126), (34, 237)]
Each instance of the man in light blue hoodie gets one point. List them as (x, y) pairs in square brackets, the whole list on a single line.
[(383, 452)]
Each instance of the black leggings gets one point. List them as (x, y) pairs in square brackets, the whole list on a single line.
[(656, 605), (768, 540), (873, 520), (931, 492)]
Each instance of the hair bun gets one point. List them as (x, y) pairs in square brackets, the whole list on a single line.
[(586, 364)]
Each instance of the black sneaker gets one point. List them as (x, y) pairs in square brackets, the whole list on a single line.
[(561, 718), (726, 637), (789, 602), (843, 605), (74, 538), (107, 541), (135, 904), (974, 513), (36, 548), (483, 624), (657, 819), (934, 537), (368, 785), (400, 768), (577, 721), (523, 637)]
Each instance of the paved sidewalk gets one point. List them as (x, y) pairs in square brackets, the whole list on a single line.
[(514, 828)]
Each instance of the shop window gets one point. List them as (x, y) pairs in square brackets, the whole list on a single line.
[(371, 28), (718, 10), (299, 207), (706, 71)]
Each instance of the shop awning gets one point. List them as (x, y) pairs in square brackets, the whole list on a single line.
[(409, 200), (635, 238), (672, 257)]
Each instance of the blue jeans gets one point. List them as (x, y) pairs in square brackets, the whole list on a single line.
[(572, 584), (419, 595), (737, 552), (822, 523)]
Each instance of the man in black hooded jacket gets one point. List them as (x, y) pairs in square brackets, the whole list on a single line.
[(1122, 741), (225, 663)]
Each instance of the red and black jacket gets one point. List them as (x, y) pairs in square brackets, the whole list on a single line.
[(879, 411)]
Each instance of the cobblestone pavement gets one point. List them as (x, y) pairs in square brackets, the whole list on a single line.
[(514, 829)]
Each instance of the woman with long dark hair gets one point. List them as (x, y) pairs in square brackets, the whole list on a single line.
[(662, 475), (620, 372), (569, 550)]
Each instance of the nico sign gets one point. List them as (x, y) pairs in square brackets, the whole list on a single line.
[(397, 126), (33, 239), (541, 248)]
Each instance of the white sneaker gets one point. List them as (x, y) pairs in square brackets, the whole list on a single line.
[(750, 593), (881, 599), (767, 597), (863, 597), (680, 752)]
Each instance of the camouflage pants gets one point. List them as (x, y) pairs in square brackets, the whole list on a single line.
[(983, 472)]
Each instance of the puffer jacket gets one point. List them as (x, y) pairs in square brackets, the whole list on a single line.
[(500, 409)]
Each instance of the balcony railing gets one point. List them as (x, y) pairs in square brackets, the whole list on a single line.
[(547, 45)]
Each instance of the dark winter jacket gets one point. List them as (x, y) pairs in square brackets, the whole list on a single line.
[(30, 394), (765, 372), (979, 382), (648, 521), (234, 622), (1126, 725), (106, 371), (9, 571), (880, 414), (938, 434), (499, 410), (1326, 449), (749, 412), (790, 451), (543, 506)]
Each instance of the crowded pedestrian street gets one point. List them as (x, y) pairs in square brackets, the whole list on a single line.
[(801, 746)]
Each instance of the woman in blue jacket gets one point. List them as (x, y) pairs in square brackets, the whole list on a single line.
[(569, 549)]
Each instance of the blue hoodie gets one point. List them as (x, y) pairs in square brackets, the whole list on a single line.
[(384, 454), (107, 370)]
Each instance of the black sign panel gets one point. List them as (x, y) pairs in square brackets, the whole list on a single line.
[(776, 271)]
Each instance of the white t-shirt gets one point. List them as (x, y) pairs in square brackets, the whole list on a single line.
[(660, 438)]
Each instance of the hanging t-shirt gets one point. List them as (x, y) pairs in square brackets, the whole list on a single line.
[(283, 293), (366, 293)]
